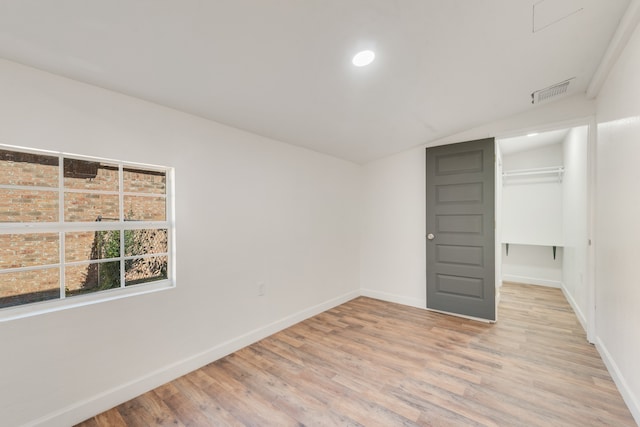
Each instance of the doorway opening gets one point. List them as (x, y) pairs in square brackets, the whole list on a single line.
[(542, 213)]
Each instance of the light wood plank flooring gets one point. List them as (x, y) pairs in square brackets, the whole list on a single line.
[(373, 363)]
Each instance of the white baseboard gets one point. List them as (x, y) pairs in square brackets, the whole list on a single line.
[(572, 302), (531, 281), (629, 398), (398, 299), (87, 408)]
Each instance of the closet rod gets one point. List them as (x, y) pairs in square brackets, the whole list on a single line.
[(538, 171)]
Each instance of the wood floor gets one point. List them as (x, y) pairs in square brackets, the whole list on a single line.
[(373, 363)]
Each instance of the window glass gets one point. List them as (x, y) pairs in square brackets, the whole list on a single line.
[(144, 181), (92, 245), (26, 169), (145, 241), (24, 287), (87, 175), (28, 206), (86, 278), (91, 207), (144, 270), (144, 208), (27, 250)]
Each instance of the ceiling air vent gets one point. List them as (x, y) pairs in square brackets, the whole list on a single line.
[(551, 91)]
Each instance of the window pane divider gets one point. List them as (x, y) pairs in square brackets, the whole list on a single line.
[(169, 215), (28, 187), (61, 245), (28, 268), (77, 190), (31, 227), (129, 193), (122, 218), (144, 256), (55, 227), (91, 261)]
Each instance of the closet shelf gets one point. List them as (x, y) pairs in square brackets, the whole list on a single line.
[(548, 171), (554, 247)]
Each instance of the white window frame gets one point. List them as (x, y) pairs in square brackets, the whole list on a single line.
[(61, 227)]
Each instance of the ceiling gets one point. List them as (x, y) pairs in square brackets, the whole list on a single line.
[(282, 68), (532, 141)]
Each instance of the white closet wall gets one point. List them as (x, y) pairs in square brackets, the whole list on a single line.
[(532, 217), (574, 267)]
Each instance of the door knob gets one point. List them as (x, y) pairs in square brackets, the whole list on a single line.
[(430, 236)]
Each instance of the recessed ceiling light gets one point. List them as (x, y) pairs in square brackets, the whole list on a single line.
[(363, 58)]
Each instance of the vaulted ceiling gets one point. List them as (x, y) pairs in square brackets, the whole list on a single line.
[(282, 68)]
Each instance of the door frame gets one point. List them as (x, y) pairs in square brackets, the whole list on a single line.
[(590, 122)]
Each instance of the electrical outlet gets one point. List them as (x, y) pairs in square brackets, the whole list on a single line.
[(261, 289)]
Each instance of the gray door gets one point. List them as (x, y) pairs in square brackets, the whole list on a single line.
[(461, 229)]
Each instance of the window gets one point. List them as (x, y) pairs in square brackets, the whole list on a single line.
[(72, 226)]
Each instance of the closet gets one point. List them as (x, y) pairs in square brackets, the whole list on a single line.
[(544, 210)]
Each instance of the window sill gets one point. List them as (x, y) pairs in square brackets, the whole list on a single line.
[(44, 307)]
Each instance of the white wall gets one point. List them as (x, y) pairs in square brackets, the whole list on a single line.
[(248, 209), (575, 212), (532, 264), (393, 249), (618, 223), (393, 260), (542, 157)]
